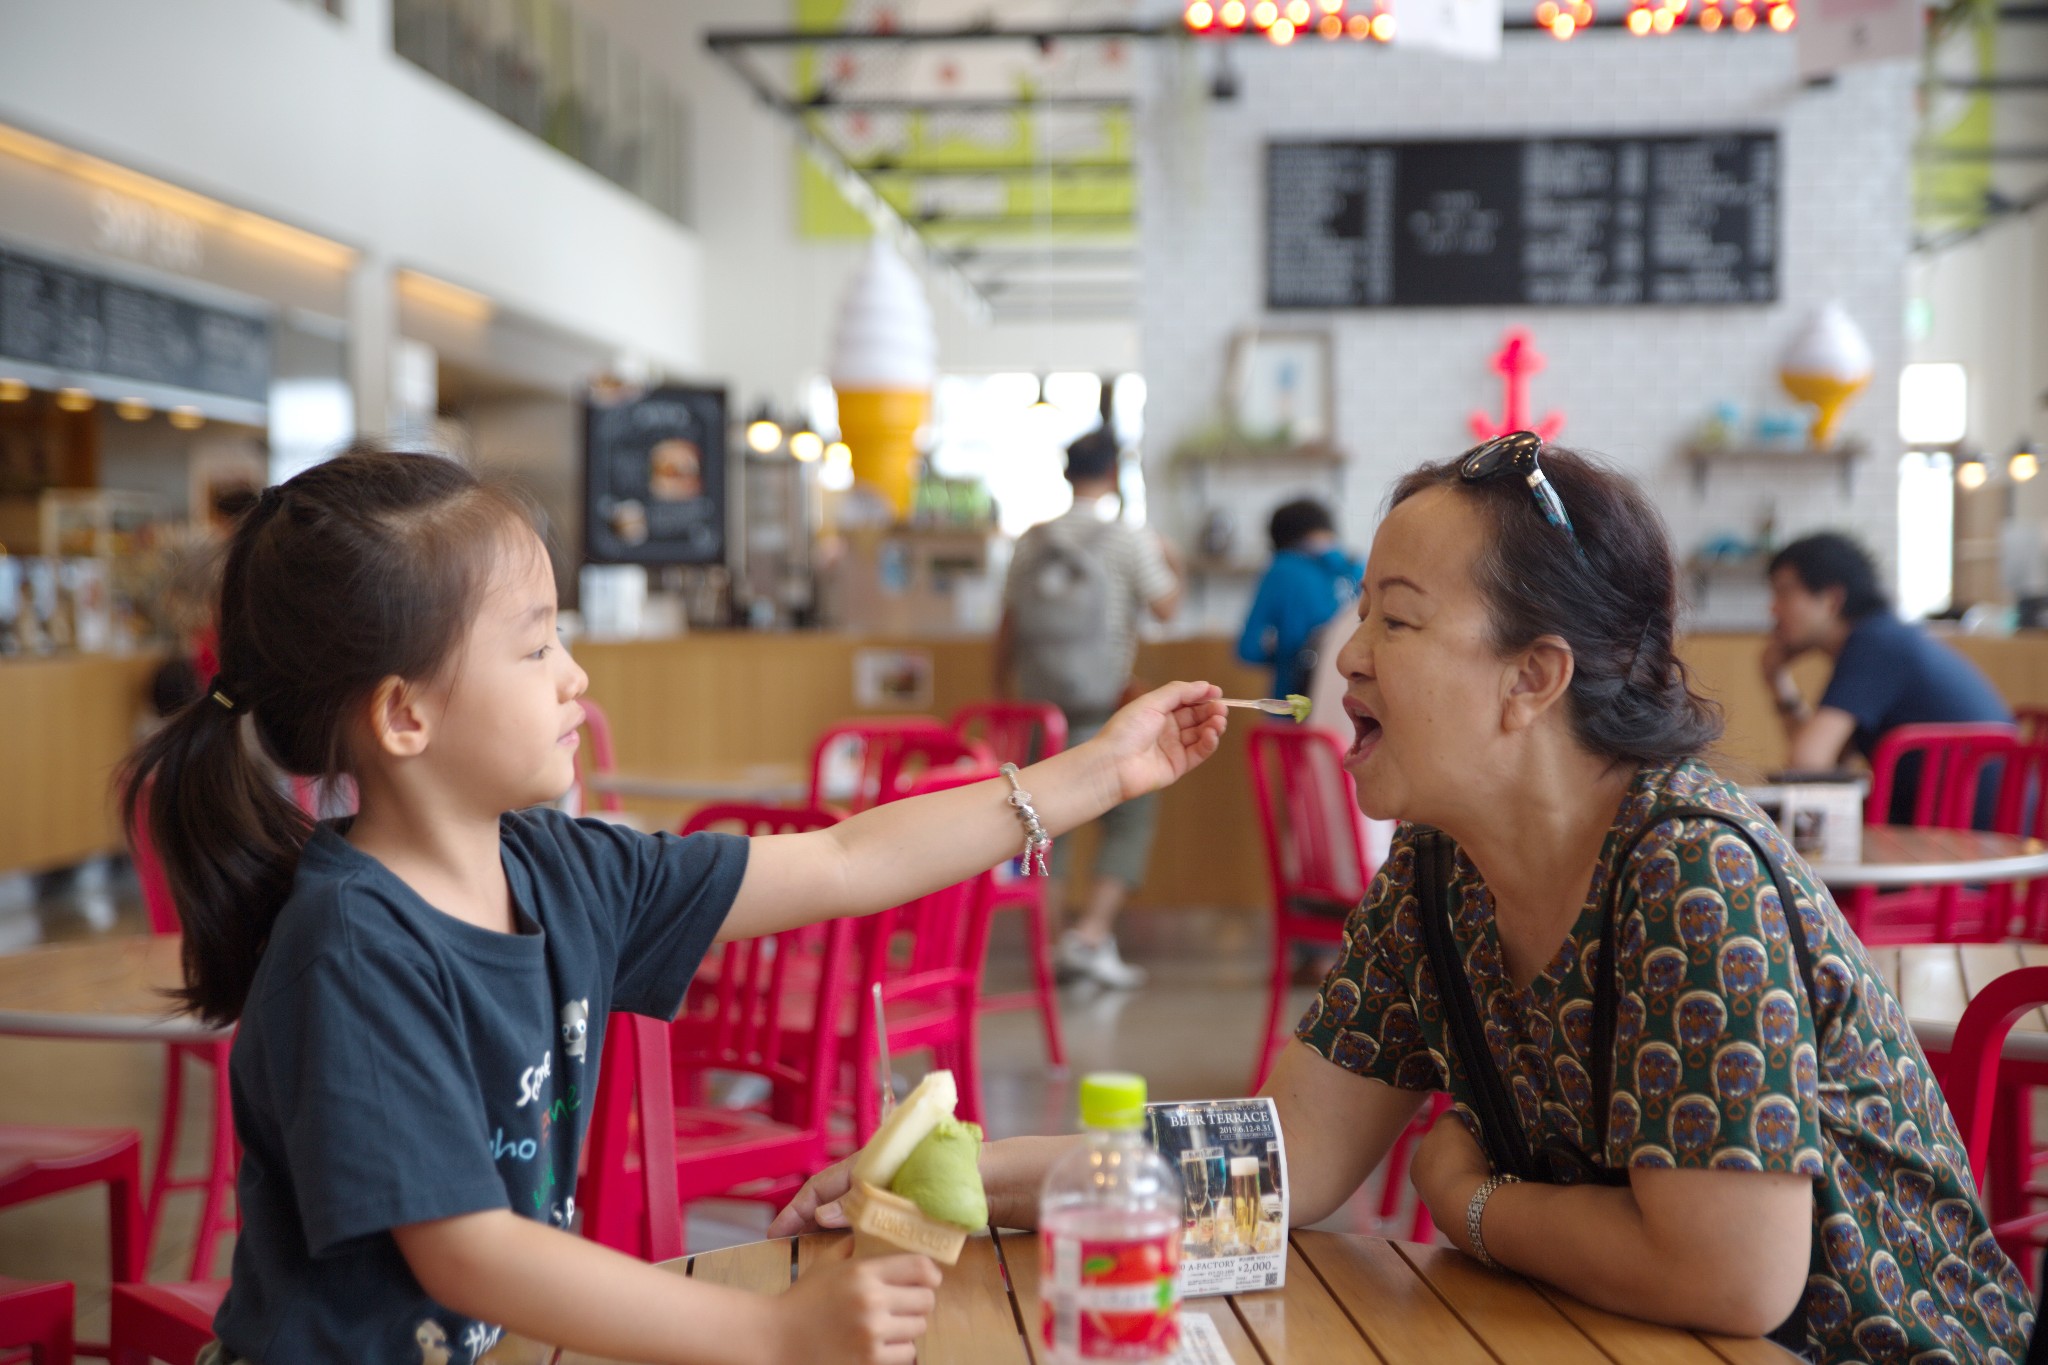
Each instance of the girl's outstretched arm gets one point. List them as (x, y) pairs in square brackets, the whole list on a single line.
[(555, 1287), (900, 851)]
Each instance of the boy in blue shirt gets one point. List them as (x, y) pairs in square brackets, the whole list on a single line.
[(1309, 581)]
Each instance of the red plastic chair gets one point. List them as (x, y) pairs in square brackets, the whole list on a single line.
[(2023, 810), (1988, 1098), (629, 1189), (37, 1162), (597, 729), (217, 1181), (168, 1322), (858, 764), (1022, 732), (36, 1315), (1952, 760)]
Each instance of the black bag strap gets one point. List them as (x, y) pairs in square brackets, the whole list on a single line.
[(1500, 1121)]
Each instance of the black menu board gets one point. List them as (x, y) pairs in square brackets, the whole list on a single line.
[(1569, 221), (654, 476), (83, 324)]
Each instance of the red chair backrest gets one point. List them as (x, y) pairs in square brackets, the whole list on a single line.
[(629, 1193), (1309, 817), (945, 933), (1019, 732), (883, 757), (1952, 760), (597, 729), (1969, 1072)]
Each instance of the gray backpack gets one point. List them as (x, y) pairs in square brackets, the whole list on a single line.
[(1060, 617)]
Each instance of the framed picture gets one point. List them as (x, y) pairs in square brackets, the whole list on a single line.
[(654, 475), (892, 678), (1280, 387)]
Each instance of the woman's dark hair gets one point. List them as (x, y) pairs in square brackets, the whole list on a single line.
[(1631, 696), (360, 569), (1294, 522), (1832, 560)]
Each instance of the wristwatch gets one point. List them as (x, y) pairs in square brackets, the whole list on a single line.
[(1476, 1210)]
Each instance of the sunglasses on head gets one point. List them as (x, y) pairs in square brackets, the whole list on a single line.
[(1516, 454)]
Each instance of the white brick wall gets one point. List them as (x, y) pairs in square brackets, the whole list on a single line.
[(1632, 382)]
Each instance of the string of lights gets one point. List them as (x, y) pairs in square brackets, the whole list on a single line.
[(1283, 21)]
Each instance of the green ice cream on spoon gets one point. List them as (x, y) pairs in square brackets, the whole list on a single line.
[(1295, 705)]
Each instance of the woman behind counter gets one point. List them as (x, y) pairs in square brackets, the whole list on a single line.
[(1771, 1155)]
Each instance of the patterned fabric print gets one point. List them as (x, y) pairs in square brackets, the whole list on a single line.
[(1716, 1063)]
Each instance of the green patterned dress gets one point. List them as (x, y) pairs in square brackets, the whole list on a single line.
[(1720, 1063)]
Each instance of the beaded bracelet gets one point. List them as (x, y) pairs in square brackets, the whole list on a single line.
[(1036, 841)]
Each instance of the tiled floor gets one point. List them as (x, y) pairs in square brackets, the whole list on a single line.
[(1192, 1032)]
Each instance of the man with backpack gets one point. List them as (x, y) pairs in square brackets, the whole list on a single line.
[(1069, 634)]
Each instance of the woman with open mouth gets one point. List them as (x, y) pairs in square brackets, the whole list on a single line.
[(1680, 1092)]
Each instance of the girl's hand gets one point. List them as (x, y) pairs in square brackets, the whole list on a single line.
[(816, 1206), (1157, 738), (867, 1311), (1447, 1170)]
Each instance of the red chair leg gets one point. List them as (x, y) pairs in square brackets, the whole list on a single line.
[(128, 1246), (2005, 1196), (1041, 971), (168, 1124), (214, 1218)]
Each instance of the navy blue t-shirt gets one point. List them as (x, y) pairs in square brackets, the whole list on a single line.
[(1891, 673), (396, 1065)]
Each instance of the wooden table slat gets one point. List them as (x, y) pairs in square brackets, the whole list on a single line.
[(1931, 986), (1984, 963), (1391, 1304), (762, 1267), (1633, 1340), (1300, 1321), (1020, 1255), (1518, 1325), (1747, 1350)]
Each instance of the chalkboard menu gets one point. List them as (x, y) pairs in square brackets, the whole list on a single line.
[(654, 476), (1569, 221), (82, 324)]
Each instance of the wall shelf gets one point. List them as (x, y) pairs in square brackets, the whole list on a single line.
[(1843, 455)]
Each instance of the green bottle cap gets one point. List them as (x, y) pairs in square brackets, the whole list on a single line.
[(1112, 1100)]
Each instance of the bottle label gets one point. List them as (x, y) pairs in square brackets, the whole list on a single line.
[(1112, 1298)]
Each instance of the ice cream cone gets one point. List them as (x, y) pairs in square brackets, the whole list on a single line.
[(886, 1224), (884, 361), (1827, 364), (1828, 393)]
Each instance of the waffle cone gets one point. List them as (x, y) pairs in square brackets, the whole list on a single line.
[(886, 1224)]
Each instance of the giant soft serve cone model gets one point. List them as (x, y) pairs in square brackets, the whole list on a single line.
[(1826, 365), (884, 358)]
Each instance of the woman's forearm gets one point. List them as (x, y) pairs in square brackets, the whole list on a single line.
[(1595, 1243)]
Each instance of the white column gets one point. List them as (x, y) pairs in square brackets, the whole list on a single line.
[(372, 337)]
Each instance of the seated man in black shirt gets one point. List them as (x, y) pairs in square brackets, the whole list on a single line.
[(1825, 596)]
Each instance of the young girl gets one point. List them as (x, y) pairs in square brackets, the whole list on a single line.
[(411, 1066)]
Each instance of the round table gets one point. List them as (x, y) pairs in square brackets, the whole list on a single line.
[(115, 988), (1895, 856)]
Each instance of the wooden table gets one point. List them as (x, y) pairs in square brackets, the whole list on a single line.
[(764, 783), (1347, 1300), (114, 989), (1894, 855), (1934, 983)]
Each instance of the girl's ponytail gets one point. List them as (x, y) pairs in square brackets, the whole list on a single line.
[(363, 568), (228, 840)]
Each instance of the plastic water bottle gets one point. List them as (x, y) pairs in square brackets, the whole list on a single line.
[(1110, 1236)]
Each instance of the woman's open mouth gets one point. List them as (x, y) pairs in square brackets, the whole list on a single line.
[(1365, 738)]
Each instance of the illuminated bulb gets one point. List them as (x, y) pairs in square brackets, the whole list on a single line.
[(1745, 19), (1639, 22), (1662, 21), (1332, 6), (1582, 14), (187, 418), (1358, 26), (1330, 26), (74, 400), (807, 446), (1710, 18), (1200, 15), (1563, 26), (1264, 13), (132, 410), (1232, 13), (1971, 474), (13, 391), (1546, 13), (1297, 13), (1783, 17), (2024, 465), (839, 455), (1383, 26), (1282, 32), (763, 436)]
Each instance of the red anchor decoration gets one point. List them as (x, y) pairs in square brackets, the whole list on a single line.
[(1517, 360)]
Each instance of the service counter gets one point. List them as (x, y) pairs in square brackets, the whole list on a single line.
[(729, 699)]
